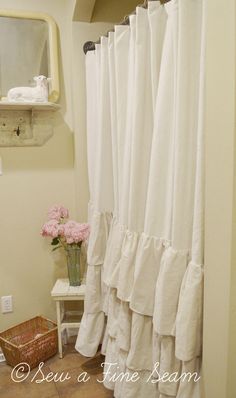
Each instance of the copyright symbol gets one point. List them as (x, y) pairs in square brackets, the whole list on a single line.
[(16, 374)]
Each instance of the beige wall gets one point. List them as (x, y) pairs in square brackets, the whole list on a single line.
[(33, 179), (219, 356)]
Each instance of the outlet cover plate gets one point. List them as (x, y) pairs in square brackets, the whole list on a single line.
[(6, 303)]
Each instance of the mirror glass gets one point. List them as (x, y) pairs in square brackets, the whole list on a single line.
[(24, 52)]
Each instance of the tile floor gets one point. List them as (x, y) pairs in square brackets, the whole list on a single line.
[(72, 365)]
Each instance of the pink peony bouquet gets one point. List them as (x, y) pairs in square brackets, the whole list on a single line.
[(64, 232)]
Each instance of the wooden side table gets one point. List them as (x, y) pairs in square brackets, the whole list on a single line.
[(62, 292)]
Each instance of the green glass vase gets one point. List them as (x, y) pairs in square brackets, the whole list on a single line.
[(73, 265)]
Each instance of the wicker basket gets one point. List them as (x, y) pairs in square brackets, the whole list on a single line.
[(31, 342)]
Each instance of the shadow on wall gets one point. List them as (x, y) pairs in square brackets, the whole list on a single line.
[(113, 10), (59, 263)]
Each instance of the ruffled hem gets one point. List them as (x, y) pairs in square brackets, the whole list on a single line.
[(90, 334), (168, 378), (153, 317)]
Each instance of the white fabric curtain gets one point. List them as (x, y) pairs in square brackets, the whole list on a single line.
[(144, 286)]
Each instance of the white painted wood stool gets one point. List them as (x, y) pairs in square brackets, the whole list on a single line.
[(62, 292)]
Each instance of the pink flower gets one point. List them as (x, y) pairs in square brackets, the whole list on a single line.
[(75, 232), (58, 212), (64, 232), (51, 228)]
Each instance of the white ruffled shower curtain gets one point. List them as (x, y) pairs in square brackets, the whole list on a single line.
[(145, 158)]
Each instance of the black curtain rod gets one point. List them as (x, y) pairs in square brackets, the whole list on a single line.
[(90, 45)]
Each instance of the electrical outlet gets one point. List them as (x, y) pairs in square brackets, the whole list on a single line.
[(6, 302)]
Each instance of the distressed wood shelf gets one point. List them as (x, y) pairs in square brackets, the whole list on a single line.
[(29, 106), (26, 123)]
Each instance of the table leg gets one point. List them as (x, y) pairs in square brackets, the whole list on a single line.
[(59, 328), (65, 334)]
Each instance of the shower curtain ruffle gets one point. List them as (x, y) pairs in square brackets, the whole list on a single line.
[(146, 313)]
